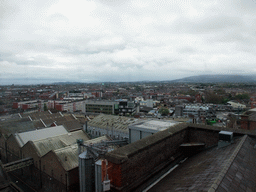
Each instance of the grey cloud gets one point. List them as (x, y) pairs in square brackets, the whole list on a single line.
[(115, 3), (153, 40), (187, 49), (205, 25), (57, 17), (7, 9)]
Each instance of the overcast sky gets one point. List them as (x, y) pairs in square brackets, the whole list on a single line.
[(125, 40)]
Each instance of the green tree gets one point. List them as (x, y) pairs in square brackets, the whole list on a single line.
[(164, 111), (242, 96), (212, 97)]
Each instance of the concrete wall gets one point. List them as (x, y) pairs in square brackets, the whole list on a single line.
[(135, 135), (115, 134)]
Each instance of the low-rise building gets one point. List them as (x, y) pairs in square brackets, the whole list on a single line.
[(62, 164), (248, 119), (16, 141), (146, 128), (106, 107), (128, 108), (114, 126)]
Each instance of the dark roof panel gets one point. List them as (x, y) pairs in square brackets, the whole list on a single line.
[(199, 172)]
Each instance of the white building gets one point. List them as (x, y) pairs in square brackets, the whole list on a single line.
[(114, 126), (146, 128)]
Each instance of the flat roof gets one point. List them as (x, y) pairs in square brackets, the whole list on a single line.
[(153, 125), (226, 132)]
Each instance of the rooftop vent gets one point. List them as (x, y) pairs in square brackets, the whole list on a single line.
[(225, 138)]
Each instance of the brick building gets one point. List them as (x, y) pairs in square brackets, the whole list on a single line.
[(16, 141), (62, 164), (133, 167)]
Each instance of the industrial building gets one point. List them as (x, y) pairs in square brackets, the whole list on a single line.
[(6, 185), (185, 157), (236, 105), (146, 128), (62, 164), (53, 151), (106, 107), (128, 108), (16, 141), (248, 119), (163, 155), (25, 105), (38, 120), (70, 106), (114, 126), (119, 107), (195, 110)]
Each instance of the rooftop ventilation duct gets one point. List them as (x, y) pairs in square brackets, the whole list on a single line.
[(225, 138)]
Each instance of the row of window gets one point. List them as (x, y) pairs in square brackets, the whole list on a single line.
[(98, 133)]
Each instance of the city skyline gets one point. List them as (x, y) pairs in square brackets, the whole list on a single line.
[(100, 41)]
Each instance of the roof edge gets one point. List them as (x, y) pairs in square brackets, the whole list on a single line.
[(224, 171), (122, 154)]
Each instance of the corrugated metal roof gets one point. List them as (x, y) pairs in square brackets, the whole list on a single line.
[(19, 125), (35, 114), (24, 137), (118, 122), (46, 145), (71, 138), (71, 125), (59, 120), (43, 146), (68, 156)]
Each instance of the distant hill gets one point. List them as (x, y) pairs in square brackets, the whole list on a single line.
[(217, 79)]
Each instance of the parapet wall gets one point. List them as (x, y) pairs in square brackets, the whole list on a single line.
[(208, 137), (131, 165)]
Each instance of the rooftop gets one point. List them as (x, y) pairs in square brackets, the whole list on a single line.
[(19, 125), (68, 156), (122, 154), (41, 115), (217, 169), (153, 125), (24, 137), (118, 122), (43, 146)]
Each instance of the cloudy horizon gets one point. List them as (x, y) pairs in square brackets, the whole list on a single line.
[(131, 40)]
